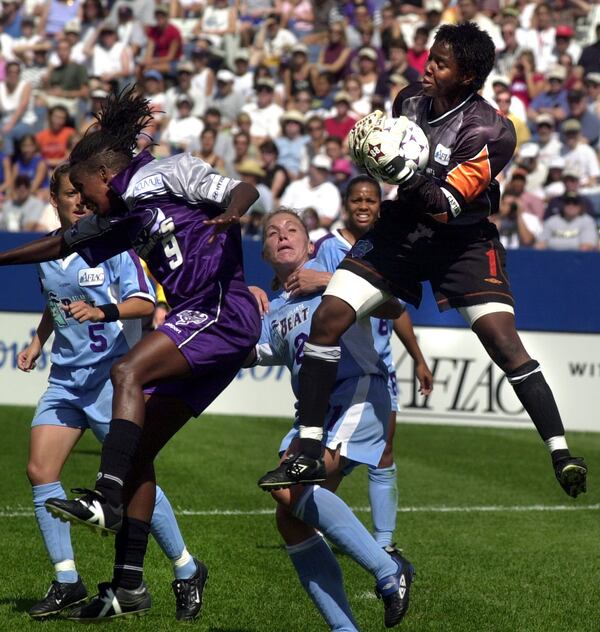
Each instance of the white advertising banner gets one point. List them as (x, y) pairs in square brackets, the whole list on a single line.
[(469, 389)]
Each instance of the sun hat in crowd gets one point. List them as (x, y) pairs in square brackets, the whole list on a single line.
[(185, 66), (226, 76), (249, 167), (320, 161), (265, 82), (571, 125), (369, 53), (545, 119), (292, 115), (557, 72)]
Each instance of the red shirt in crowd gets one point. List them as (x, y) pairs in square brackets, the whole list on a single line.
[(335, 127), (162, 40)]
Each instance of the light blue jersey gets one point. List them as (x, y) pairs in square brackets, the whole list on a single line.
[(65, 281), (359, 406), (331, 250), (79, 393)]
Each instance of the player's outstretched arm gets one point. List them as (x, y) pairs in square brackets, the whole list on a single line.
[(243, 197), (44, 249), (26, 360)]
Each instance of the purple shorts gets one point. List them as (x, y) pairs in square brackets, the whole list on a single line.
[(215, 340)]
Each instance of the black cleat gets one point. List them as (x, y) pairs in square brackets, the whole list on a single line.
[(395, 591), (90, 509), (188, 593), (59, 597), (112, 603), (571, 473), (292, 471)]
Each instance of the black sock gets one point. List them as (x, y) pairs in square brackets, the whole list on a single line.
[(130, 549), (537, 399), (316, 379), (118, 450)]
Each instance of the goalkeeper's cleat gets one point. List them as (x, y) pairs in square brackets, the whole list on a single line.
[(571, 473), (296, 469), (59, 597), (91, 509), (392, 550), (395, 591), (113, 603), (188, 593)]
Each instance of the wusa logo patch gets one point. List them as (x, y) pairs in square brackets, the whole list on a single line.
[(90, 277), (442, 154), (360, 249), (191, 317)]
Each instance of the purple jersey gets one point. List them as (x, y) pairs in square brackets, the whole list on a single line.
[(214, 321), (167, 203)]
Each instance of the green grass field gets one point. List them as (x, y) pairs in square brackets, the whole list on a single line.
[(496, 543)]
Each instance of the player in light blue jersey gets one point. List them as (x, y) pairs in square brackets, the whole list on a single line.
[(361, 205), (356, 430), (85, 309)]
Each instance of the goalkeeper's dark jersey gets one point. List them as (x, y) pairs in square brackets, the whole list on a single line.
[(468, 147)]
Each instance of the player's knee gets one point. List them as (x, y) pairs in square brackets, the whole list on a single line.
[(505, 349), (41, 473), (122, 374), (332, 318)]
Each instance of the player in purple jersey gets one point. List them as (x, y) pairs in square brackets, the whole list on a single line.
[(437, 230), (183, 218)]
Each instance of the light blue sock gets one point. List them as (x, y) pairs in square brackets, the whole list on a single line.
[(55, 533), (328, 513), (165, 530), (321, 576), (383, 497)]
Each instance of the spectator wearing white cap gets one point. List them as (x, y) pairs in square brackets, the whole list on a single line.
[(265, 114), (554, 99), (592, 88), (183, 129), (315, 190), (578, 155), (501, 83), (547, 139), (184, 85), (225, 98), (367, 70), (554, 185), (526, 161)]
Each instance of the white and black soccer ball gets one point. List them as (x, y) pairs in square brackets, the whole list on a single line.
[(395, 137)]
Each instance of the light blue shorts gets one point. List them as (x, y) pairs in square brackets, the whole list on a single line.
[(357, 420), (78, 398)]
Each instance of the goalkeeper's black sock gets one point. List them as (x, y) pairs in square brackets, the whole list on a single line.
[(316, 379), (537, 399), (130, 549), (118, 450)]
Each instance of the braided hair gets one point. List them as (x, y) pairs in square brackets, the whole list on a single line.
[(112, 140)]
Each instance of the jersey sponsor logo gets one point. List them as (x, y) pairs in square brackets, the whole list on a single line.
[(149, 184), (217, 188), (191, 317), (442, 154), (90, 277)]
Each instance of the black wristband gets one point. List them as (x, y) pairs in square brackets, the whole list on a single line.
[(110, 311)]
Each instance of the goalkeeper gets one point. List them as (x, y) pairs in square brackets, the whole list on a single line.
[(437, 231)]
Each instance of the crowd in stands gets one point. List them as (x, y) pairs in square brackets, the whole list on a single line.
[(266, 91)]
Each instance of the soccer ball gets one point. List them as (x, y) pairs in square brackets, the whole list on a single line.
[(390, 138)]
